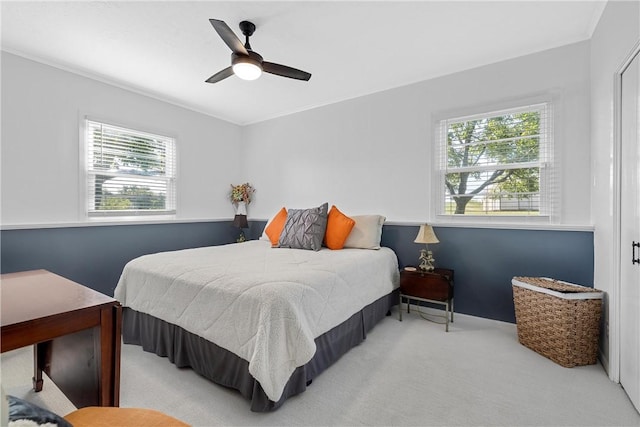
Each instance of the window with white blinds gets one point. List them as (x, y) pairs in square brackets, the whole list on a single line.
[(129, 172), (497, 163)]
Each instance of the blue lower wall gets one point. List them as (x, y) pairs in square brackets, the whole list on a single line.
[(95, 256), (484, 260)]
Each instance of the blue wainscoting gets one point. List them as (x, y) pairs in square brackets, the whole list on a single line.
[(95, 256), (484, 260)]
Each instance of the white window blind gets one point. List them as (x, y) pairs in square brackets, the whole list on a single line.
[(129, 172), (497, 163)]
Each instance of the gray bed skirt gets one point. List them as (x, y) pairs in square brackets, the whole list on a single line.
[(223, 367)]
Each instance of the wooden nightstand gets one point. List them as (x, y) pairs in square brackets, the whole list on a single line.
[(435, 287)]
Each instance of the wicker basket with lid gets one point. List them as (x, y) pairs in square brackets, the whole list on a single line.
[(557, 319)]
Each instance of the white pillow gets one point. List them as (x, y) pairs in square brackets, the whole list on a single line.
[(264, 232), (366, 232), (264, 236)]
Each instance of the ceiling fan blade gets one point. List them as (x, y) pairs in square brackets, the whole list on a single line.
[(228, 36), (220, 75), (284, 71)]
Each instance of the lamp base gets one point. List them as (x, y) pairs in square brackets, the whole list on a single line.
[(426, 260), (241, 238)]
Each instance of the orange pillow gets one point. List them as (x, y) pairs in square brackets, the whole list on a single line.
[(339, 227), (275, 226)]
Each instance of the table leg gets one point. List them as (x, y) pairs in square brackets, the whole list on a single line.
[(446, 315), (109, 365), (400, 308), (41, 360)]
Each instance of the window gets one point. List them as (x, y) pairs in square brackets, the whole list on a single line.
[(497, 163), (128, 172)]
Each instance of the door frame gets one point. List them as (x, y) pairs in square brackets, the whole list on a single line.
[(614, 304)]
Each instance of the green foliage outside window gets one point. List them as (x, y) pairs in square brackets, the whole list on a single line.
[(129, 169), (496, 161)]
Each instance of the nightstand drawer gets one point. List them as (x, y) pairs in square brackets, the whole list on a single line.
[(433, 286)]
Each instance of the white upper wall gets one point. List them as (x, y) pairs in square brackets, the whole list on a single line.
[(41, 110), (374, 154), (366, 155)]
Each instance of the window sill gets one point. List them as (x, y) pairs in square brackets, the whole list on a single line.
[(514, 226), (101, 222), (501, 226)]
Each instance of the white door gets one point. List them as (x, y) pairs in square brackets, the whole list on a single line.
[(630, 232)]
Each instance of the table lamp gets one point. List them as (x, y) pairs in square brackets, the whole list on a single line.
[(426, 236), (240, 221)]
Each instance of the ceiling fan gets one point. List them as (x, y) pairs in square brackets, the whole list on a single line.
[(245, 63)]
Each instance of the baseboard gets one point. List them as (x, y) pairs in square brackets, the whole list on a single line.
[(604, 361)]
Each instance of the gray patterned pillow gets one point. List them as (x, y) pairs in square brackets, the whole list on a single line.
[(304, 228), (25, 413)]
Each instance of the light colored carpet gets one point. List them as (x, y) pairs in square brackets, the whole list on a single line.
[(405, 373)]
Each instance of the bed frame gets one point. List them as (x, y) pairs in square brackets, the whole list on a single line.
[(223, 367)]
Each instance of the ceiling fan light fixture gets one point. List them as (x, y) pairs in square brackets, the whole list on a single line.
[(246, 68), (245, 63)]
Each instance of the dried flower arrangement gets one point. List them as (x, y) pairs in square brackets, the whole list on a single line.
[(241, 193)]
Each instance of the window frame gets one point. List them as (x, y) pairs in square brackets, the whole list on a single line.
[(549, 185), (85, 198)]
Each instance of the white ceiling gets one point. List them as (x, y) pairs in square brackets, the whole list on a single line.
[(168, 49)]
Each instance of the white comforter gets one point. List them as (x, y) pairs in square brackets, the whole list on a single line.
[(264, 304)]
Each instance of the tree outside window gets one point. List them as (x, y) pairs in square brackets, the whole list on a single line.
[(129, 172), (494, 163)]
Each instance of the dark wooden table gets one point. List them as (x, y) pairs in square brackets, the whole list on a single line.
[(434, 287), (75, 332)]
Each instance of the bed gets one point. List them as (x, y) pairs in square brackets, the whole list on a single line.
[(265, 321)]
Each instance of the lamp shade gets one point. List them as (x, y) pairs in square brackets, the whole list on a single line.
[(240, 221), (426, 235)]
